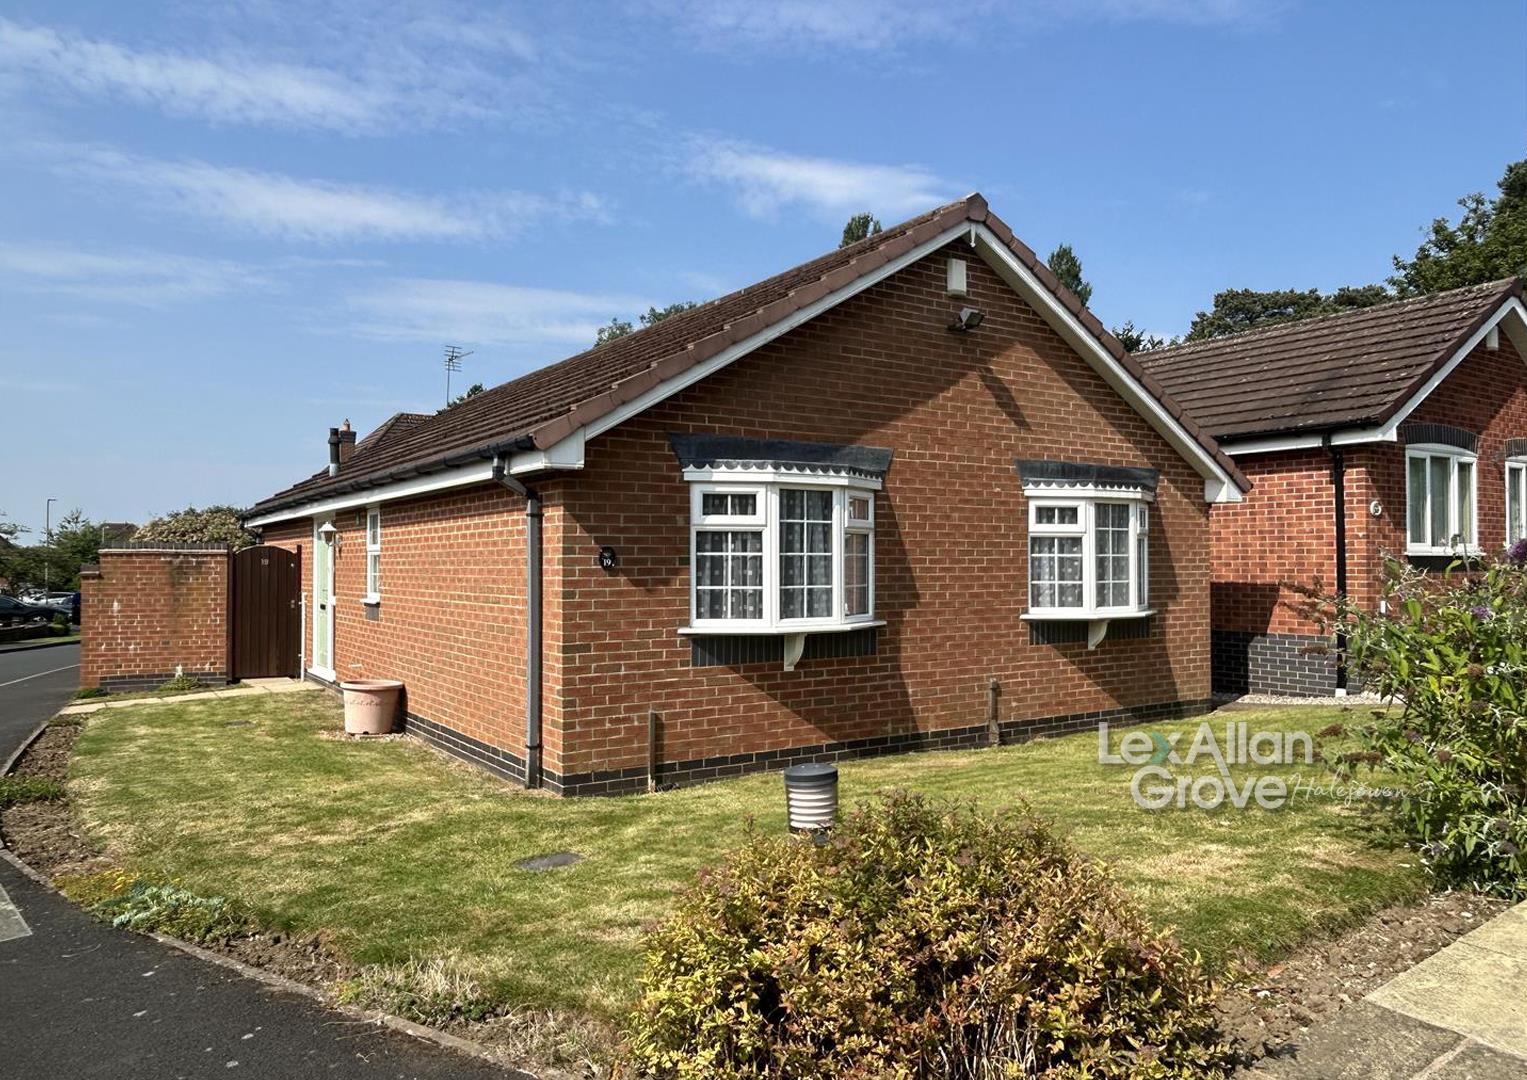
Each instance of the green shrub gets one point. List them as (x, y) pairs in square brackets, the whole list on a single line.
[(922, 940), (1454, 653), (168, 909), (89, 692), (15, 790), (59, 626), (182, 682)]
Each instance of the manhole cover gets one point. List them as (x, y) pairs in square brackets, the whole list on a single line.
[(552, 861)]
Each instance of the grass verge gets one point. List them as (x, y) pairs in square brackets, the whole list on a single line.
[(409, 862)]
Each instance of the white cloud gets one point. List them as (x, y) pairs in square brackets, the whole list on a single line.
[(228, 88), (354, 69), (876, 25), (148, 279), (484, 313), (319, 210), (766, 181)]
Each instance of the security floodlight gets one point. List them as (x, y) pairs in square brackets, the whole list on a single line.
[(968, 319)]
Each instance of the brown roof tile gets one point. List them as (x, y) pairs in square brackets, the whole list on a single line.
[(1334, 371), (544, 406)]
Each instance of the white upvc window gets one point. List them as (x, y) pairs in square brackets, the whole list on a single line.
[(782, 556), (1440, 500), (1516, 499), (1089, 557), (373, 555)]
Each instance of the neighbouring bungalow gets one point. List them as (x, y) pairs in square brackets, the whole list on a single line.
[(910, 494), (1396, 430)]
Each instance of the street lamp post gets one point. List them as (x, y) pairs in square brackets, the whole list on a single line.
[(47, 534)]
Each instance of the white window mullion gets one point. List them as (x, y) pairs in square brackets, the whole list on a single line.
[(839, 550)]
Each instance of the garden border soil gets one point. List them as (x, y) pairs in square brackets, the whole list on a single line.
[(1264, 1012), (50, 843)]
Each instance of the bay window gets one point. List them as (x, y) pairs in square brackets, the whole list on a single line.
[(1088, 557), (1440, 500), (782, 535), (781, 555), (1088, 543)]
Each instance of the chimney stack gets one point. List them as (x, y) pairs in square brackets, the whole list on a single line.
[(346, 442)]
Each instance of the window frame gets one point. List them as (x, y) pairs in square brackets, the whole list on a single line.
[(767, 521), (373, 551), (1087, 502), (1455, 456), (1516, 480)]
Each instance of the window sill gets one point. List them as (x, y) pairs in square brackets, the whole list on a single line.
[(371, 601), (1445, 553), (732, 629), (1064, 615)]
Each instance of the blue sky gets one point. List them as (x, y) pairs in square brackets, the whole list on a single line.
[(226, 226)]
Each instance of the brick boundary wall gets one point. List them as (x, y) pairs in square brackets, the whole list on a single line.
[(151, 610), (674, 774)]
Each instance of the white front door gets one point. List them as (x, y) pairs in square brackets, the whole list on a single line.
[(323, 604)]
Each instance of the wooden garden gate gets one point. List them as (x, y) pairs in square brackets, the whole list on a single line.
[(266, 616)]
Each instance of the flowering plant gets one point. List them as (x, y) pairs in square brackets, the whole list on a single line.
[(1451, 651)]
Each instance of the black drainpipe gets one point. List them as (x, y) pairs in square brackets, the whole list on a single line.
[(532, 620), (1339, 486)]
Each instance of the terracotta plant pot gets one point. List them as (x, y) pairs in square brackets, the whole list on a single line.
[(371, 706)]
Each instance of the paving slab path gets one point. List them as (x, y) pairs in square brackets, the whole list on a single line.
[(1460, 1014)]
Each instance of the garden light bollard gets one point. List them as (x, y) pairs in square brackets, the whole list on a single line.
[(811, 797)]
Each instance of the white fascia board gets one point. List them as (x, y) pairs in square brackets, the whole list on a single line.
[(401, 489), (1218, 486), (1275, 443), (567, 454), (669, 387)]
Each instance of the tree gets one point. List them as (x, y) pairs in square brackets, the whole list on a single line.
[(214, 525), (1488, 243), (619, 328), (1236, 310), (1139, 340), (657, 315), (472, 391), (860, 227), (76, 542), (55, 563), (1065, 265)]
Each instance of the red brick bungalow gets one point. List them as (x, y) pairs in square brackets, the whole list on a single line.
[(901, 496), (1398, 429)]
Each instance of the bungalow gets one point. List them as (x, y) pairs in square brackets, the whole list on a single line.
[(909, 494), (1399, 429)]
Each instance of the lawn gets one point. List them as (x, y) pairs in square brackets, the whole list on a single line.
[(398, 852)]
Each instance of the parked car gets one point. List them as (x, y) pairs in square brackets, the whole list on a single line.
[(67, 602), (13, 611)]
